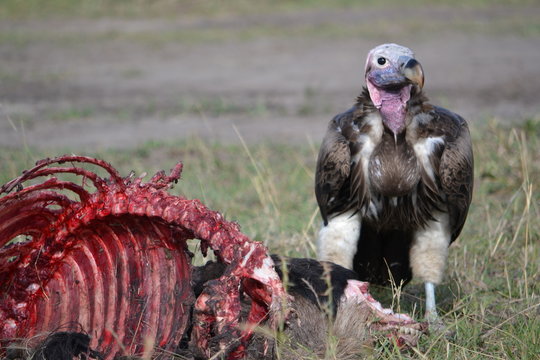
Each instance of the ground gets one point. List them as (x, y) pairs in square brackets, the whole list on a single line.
[(118, 81)]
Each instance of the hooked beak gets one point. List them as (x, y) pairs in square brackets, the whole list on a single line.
[(408, 71), (413, 71)]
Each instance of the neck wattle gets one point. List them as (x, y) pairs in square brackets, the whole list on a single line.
[(392, 105), (393, 113)]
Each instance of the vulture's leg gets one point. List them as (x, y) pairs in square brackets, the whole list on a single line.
[(338, 239), (428, 259), (431, 309)]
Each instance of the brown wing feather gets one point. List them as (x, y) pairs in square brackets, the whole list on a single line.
[(339, 181), (456, 169), (333, 168), (358, 192)]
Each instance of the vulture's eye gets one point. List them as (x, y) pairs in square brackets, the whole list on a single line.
[(381, 61)]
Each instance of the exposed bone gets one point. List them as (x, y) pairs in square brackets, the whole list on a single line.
[(114, 261)]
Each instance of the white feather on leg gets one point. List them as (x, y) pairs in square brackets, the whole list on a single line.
[(428, 258), (338, 240), (430, 249)]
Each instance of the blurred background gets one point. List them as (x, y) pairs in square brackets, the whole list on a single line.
[(241, 91), (116, 73)]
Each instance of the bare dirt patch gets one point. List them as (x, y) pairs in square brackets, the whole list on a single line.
[(280, 77)]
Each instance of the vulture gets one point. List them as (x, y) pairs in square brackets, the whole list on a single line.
[(394, 178)]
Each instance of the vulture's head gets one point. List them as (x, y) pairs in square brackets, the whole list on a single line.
[(391, 72)]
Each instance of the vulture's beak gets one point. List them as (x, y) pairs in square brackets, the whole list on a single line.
[(413, 71), (406, 71)]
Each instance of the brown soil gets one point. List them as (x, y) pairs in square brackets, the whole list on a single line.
[(117, 83)]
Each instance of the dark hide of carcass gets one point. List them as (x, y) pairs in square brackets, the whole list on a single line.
[(58, 346), (106, 274)]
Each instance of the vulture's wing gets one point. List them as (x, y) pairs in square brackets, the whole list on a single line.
[(456, 169), (333, 168)]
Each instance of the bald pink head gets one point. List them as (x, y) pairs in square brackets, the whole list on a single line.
[(391, 70)]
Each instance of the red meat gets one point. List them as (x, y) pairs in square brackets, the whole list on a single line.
[(114, 262)]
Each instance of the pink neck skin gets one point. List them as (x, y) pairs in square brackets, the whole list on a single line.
[(392, 105)]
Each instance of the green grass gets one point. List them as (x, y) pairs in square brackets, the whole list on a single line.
[(24, 9), (518, 17), (490, 298)]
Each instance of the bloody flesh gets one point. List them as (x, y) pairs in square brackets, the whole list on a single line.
[(114, 263)]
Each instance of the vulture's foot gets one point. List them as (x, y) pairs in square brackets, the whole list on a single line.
[(431, 316), (434, 321), (437, 326)]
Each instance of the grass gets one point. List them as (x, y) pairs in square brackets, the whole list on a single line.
[(194, 22), (19, 9), (490, 298)]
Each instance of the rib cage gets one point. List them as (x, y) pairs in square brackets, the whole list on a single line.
[(114, 261)]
